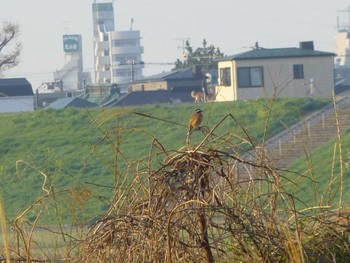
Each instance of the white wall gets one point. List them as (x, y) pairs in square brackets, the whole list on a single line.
[(16, 104), (226, 93), (278, 79)]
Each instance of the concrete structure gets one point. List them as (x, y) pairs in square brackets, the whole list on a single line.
[(103, 22), (343, 49), (117, 53), (280, 72), (71, 75), (126, 53), (342, 60), (42, 99), (342, 39), (16, 95)]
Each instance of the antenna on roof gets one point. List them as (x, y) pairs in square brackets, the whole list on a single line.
[(65, 26), (182, 47), (131, 23)]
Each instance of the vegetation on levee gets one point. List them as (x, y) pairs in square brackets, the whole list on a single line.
[(149, 197), (69, 149), (322, 176)]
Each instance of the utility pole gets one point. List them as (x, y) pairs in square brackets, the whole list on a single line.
[(132, 64)]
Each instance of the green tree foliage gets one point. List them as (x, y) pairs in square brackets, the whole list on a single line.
[(10, 50), (204, 56)]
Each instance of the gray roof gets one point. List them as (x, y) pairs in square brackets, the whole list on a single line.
[(11, 87), (153, 97), (73, 102), (186, 73), (270, 53)]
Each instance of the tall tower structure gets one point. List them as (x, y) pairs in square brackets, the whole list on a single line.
[(117, 53), (103, 23), (343, 39), (70, 77)]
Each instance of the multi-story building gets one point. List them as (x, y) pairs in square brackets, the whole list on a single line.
[(71, 75), (117, 53), (126, 53), (103, 22), (342, 60)]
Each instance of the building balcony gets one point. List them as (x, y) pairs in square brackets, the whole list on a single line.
[(127, 50), (104, 45), (103, 60)]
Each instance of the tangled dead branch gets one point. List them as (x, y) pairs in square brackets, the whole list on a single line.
[(194, 208)]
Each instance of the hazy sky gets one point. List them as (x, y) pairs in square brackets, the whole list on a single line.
[(232, 25)]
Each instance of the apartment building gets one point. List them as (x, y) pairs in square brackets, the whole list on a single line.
[(117, 54)]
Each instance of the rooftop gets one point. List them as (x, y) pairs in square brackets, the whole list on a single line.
[(269, 53), (11, 87)]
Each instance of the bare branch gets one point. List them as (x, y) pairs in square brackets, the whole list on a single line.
[(9, 49)]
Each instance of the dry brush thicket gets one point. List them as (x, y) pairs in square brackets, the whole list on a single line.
[(207, 202)]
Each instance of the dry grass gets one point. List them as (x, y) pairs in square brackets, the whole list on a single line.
[(194, 208), (205, 202)]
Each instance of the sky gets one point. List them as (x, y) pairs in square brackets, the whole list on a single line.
[(232, 25)]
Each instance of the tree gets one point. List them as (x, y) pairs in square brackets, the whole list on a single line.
[(10, 50), (204, 56)]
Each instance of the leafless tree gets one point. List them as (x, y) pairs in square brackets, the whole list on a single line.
[(10, 49)]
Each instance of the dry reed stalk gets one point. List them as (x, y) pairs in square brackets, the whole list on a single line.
[(4, 231)]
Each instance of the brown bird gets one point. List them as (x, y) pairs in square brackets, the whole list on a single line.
[(195, 120)]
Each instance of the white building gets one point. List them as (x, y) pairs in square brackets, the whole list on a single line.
[(103, 22), (277, 72), (117, 53), (342, 39), (71, 75), (126, 53)]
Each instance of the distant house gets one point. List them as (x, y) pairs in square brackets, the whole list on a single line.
[(187, 79), (16, 95), (72, 102), (282, 72), (152, 97), (168, 87)]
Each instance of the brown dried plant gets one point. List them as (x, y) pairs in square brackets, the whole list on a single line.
[(206, 204)]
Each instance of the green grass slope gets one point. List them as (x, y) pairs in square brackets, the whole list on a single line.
[(79, 154), (322, 177)]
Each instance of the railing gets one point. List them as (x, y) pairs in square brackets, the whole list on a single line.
[(309, 120)]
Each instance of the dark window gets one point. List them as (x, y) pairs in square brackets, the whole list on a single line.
[(298, 71), (250, 77), (225, 76)]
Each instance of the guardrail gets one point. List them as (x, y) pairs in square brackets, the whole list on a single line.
[(309, 120)]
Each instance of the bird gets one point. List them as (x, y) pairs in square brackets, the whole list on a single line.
[(195, 120)]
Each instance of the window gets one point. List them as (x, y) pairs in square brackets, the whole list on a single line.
[(225, 76), (250, 77), (298, 71), (123, 43)]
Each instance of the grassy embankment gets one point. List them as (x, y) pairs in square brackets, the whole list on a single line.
[(69, 149), (70, 162)]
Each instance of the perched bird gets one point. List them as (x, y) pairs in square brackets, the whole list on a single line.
[(195, 120)]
